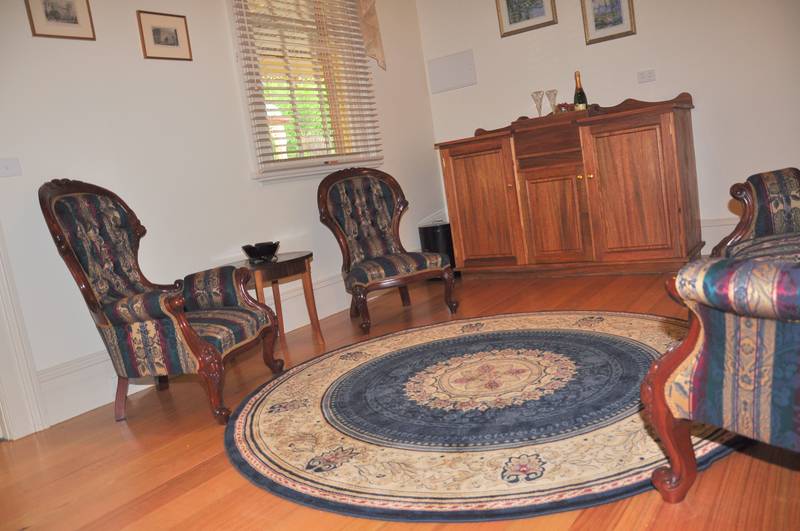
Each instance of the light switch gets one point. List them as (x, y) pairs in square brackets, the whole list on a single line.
[(646, 76), (10, 168)]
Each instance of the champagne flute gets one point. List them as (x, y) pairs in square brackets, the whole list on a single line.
[(537, 96), (551, 99)]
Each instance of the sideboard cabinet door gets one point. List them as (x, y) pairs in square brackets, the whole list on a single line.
[(631, 188), (482, 202), (556, 216)]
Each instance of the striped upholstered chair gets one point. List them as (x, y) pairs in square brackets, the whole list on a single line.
[(152, 330), (362, 207), (739, 366)]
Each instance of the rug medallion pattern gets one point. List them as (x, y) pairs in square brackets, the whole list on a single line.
[(490, 379), (498, 417)]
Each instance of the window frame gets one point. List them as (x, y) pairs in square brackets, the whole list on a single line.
[(301, 167)]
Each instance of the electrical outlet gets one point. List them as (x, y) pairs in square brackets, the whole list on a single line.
[(10, 168), (646, 76)]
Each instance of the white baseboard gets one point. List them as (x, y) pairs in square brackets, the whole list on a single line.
[(85, 383), (440, 216), (80, 385)]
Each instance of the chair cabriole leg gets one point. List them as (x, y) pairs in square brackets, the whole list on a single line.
[(162, 383), (268, 352), (360, 298), (404, 296), (212, 372), (449, 283), (120, 402), (672, 481), (353, 307)]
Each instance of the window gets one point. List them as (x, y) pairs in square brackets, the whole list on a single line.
[(308, 86)]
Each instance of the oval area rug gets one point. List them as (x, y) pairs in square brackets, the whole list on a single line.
[(499, 417)]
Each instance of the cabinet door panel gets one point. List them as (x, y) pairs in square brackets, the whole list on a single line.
[(631, 202), (556, 216), (482, 201)]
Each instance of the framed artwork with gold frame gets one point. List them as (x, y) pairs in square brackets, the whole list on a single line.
[(604, 20), (62, 19), (516, 16), (164, 36)]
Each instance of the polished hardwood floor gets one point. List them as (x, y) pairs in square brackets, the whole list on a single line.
[(166, 466)]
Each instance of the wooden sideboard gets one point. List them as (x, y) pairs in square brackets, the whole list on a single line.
[(601, 190)]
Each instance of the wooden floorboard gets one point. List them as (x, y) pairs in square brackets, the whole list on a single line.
[(166, 466)]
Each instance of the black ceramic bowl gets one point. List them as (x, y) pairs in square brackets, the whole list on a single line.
[(263, 251)]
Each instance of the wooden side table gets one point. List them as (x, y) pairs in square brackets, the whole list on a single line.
[(285, 265)]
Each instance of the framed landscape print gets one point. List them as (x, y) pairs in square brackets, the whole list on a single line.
[(65, 19), (516, 16), (607, 19), (164, 36)]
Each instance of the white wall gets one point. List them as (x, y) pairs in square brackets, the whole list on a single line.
[(170, 138), (738, 59)]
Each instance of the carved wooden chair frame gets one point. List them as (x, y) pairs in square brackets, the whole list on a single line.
[(674, 480), (211, 368), (358, 305), (671, 481), (743, 193)]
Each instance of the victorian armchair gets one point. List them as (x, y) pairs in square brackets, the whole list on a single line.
[(152, 330), (363, 207), (739, 366)]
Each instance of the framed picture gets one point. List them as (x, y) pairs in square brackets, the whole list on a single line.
[(516, 16), (607, 19), (64, 19), (164, 36)]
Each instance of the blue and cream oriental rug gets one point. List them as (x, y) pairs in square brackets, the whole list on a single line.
[(492, 418)]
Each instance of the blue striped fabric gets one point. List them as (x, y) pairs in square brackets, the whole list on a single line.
[(777, 195), (99, 232), (363, 207), (137, 308), (214, 288), (745, 378), (226, 328), (148, 348), (393, 265)]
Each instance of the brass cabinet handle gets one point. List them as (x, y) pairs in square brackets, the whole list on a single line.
[(579, 177), (591, 176)]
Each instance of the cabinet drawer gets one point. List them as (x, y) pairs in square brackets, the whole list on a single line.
[(559, 138), (545, 160)]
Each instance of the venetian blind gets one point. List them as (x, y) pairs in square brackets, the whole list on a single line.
[(308, 83)]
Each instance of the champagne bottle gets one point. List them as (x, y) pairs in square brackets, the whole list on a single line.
[(580, 96)]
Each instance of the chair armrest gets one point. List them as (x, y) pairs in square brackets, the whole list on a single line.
[(148, 306), (770, 205), (222, 287), (212, 288), (759, 287)]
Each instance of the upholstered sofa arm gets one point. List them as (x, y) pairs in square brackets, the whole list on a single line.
[(759, 287), (148, 306), (213, 288)]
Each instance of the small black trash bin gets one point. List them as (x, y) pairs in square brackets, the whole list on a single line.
[(436, 238)]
